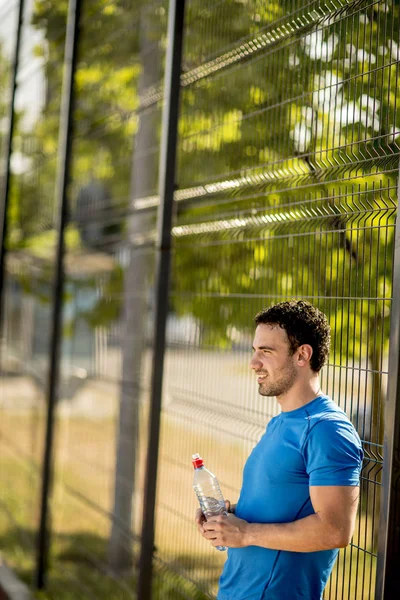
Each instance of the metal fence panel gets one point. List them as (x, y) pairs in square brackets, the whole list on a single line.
[(286, 187), (102, 414), (287, 179), (28, 275)]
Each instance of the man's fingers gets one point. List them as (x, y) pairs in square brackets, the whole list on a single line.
[(209, 534), (199, 516), (214, 525), (200, 520)]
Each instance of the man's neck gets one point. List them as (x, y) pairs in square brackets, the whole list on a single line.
[(300, 395)]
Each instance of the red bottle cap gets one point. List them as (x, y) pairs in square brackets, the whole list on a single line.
[(197, 461)]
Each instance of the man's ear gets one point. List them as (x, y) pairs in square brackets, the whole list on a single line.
[(304, 354)]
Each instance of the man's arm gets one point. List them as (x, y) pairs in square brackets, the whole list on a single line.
[(331, 526)]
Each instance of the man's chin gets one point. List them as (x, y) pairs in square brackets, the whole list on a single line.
[(263, 391)]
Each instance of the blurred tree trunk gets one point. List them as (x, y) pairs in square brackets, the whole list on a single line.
[(144, 173)]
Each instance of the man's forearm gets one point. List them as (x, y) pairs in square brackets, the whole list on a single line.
[(305, 535)]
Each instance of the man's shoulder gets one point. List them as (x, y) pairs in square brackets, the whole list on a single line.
[(327, 411), (330, 419), (332, 448)]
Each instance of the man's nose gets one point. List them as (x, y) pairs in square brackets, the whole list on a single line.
[(255, 363)]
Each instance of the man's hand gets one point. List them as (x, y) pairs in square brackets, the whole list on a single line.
[(227, 531), (200, 518)]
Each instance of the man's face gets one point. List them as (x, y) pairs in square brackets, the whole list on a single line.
[(275, 368)]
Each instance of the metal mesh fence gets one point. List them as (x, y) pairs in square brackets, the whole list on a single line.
[(288, 157), (102, 406), (28, 275), (8, 30), (286, 187)]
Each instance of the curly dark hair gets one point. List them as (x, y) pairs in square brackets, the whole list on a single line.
[(304, 324)]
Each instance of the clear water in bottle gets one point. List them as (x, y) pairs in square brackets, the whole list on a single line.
[(208, 492)]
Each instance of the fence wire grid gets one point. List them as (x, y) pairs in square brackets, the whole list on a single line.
[(286, 186)]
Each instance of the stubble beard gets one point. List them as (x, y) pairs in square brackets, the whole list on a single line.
[(281, 385)]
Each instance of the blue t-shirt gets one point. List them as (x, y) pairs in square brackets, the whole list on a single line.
[(315, 444)]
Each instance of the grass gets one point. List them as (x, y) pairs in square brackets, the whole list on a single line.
[(78, 565), (82, 497), (77, 561)]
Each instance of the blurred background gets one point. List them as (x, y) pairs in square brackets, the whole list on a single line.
[(288, 143)]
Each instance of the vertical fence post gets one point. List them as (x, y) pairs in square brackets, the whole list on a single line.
[(5, 188), (63, 175), (163, 249), (387, 576)]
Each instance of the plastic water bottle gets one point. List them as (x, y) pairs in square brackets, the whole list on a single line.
[(208, 492)]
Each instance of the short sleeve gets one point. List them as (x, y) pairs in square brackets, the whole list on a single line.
[(333, 454)]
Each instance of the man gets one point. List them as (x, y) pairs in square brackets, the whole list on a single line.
[(300, 491)]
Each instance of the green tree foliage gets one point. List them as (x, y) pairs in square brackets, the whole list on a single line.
[(288, 164), (293, 132), (309, 115)]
